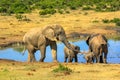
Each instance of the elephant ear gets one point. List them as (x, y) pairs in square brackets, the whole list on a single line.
[(87, 40), (49, 33), (104, 38)]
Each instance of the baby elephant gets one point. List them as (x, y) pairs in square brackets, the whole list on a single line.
[(89, 56), (70, 54)]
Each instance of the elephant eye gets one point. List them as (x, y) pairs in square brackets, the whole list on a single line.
[(58, 33)]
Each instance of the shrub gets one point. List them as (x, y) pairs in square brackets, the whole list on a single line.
[(67, 12), (60, 11), (115, 20), (22, 18), (118, 23), (73, 7), (105, 21), (86, 8), (19, 17), (25, 6), (47, 11), (62, 68)]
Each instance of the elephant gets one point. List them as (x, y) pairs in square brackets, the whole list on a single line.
[(40, 38), (89, 56), (70, 54), (98, 45)]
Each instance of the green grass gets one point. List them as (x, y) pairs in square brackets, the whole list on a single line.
[(62, 68)]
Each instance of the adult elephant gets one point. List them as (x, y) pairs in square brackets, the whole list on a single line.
[(98, 45), (39, 39)]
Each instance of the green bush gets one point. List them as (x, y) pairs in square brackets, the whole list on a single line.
[(118, 23), (67, 12), (19, 17), (105, 21), (26, 6), (22, 18), (86, 8), (47, 11), (73, 7), (115, 20), (60, 11), (62, 68)]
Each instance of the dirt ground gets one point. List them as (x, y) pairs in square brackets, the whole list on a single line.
[(10, 70)]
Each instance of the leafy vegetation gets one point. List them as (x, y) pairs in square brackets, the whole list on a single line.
[(115, 20), (62, 68), (22, 18), (50, 6)]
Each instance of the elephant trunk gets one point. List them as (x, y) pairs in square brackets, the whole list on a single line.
[(68, 45)]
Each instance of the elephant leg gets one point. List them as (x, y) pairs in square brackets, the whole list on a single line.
[(53, 46), (101, 54), (69, 58), (101, 59), (93, 59), (28, 60), (97, 58), (76, 60), (32, 57), (105, 56), (65, 59), (87, 61), (31, 51), (43, 51)]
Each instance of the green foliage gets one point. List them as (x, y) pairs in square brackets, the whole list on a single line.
[(86, 8), (67, 12), (47, 11), (26, 6), (118, 23), (22, 18), (115, 20), (105, 21), (60, 11), (62, 68)]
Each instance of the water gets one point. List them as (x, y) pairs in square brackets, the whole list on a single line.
[(15, 53)]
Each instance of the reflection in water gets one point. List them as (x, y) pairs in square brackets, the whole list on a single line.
[(15, 53)]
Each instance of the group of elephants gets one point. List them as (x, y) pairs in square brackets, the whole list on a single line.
[(40, 38)]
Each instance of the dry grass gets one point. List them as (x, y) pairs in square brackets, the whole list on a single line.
[(43, 71), (80, 21)]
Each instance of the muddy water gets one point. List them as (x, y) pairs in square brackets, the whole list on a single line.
[(14, 53)]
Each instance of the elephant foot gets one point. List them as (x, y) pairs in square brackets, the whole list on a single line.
[(105, 61), (41, 60)]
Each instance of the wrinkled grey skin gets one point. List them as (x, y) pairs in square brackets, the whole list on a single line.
[(70, 54), (40, 38), (89, 56), (98, 45)]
